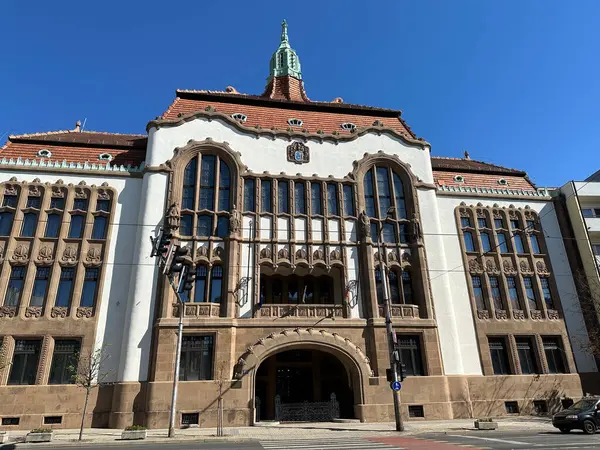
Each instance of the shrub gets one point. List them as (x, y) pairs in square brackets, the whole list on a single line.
[(135, 428), (41, 430)]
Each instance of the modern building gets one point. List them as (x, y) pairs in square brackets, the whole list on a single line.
[(578, 203), (290, 208)]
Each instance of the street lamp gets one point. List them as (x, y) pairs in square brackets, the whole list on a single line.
[(391, 336)]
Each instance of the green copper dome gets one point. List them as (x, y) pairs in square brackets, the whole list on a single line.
[(284, 61)]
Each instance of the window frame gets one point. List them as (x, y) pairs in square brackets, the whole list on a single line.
[(498, 346), (61, 374), (30, 363), (187, 355)]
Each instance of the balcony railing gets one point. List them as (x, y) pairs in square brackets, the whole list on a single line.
[(404, 311), (198, 310), (272, 310)]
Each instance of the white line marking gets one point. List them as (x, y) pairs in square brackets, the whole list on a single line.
[(505, 441)]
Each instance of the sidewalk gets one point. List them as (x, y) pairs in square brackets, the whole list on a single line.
[(289, 431)]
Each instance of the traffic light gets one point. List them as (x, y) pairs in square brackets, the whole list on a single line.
[(179, 260), (160, 244), (186, 280)]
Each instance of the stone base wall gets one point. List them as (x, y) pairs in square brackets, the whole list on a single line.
[(442, 397)]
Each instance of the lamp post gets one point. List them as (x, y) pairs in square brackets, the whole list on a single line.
[(391, 336), (181, 305)]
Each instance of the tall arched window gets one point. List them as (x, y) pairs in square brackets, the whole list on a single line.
[(205, 197), (383, 186)]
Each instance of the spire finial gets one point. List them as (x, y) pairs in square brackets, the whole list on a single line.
[(284, 35)]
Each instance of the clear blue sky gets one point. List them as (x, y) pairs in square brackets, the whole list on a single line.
[(513, 82)]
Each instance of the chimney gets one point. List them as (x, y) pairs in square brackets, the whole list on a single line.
[(467, 155), (77, 126)]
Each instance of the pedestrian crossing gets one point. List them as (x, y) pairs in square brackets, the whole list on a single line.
[(324, 444)]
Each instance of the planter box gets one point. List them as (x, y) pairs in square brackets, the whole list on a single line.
[(486, 425), (133, 435), (38, 437)]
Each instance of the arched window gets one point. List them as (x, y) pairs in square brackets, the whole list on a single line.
[(200, 284), (469, 244), (206, 190), (395, 295), (486, 243), (379, 286), (383, 186)]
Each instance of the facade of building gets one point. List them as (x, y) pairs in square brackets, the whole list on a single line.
[(288, 206)]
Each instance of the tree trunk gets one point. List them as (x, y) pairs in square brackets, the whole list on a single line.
[(87, 395)]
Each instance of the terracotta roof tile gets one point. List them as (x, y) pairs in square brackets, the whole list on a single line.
[(482, 180), (443, 163)]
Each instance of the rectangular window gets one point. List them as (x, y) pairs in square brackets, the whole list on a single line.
[(188, 419), (6, 222), (53, 225), (596, 249), (547, 293), (10, 201), (300, 198), (403, 233), (486, 243), (389, 233), (411, 355), (80, 204), (25, 361), (469, 244), (57, 203), (249, 194), (499, 356), (185, 225), (222, 226), (415, 411), (34, 202), (526, 356), (513, 292), (511, 407), (496, 293), (207, 182), (76, 227), (465, 222), (283, 196), (514, 224), (65, 287), (196, 358), (315, 199), (52, 420), (554, 355), (530, 292), (103, 205), (205, 226), (29, 224), (407, 289), (90, 287), (332, 203), (15, 286), (587, 212), (216, 284), (265, 196), (478, 293), (200, 284), (535, 244), (399, 195), (383, 190), (498, 223), (518, 244), (369, 194), (502, 242), (65, 355), (348, 201), (40, 286), (374, 232), (481, 222), (8, 421), (99, 229)]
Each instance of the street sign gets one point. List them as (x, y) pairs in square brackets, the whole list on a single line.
[(396, 385)]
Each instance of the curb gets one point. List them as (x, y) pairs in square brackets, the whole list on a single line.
[(116, 442)]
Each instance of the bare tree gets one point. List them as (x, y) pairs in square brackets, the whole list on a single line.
[(589, 300), (87, 372), (220, 381)]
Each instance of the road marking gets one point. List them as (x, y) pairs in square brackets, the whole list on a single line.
[(504, 441)]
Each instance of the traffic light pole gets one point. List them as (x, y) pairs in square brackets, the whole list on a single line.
[(177, 359), (391, 336)]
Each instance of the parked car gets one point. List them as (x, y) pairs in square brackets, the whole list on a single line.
[(583, 415)]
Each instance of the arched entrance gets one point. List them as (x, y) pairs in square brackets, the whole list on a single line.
[(287, 380)]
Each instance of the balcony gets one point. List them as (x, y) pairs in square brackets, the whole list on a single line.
[(593, 224), (302, 311), (403, 311)]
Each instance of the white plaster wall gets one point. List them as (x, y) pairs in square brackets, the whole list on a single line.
[(119, 258), (458, 283), (268, 154)]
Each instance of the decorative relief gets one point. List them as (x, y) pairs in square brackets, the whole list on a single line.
[(364, 223), (483, 314), (80, 193), (319, 255), (265, 253), (508, 267), (480, 213), (35, 191), (474, 266), (301, 310), (536, 314), (9, 189), (94, 255), (501, 314), (336, 255), (524, 266), (21, 254), (406, 257), (84, 312), (283, 253), (173, 217), (33, 312), (301, 254), (392, 256), (490, 267), (8, 311), (218, 252), (541, 268), (235, 221), (518, 314), (416, 228), (463, 212), (69, 255), (298, 153), (553, 314), (403, 311), (103, 194), (59, 312), (45, 255), (203, 251), (58, 192)]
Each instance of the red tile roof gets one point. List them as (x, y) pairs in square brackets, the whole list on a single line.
[(78, 146), (274, 113)]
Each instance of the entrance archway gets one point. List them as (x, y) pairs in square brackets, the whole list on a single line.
[(296, 376)]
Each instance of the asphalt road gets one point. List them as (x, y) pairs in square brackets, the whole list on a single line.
[(500, 440)]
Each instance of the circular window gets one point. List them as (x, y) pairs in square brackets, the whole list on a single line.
[(105, 157), (459, 178), (44, 153), (503, 182)]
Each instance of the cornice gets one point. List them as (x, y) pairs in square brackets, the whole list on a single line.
[(210, 113), (42, 165), (467, 191)]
